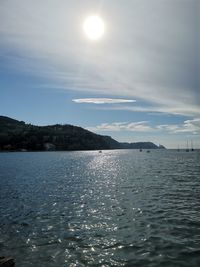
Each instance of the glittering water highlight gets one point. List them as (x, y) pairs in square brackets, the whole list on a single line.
[(115, 208)]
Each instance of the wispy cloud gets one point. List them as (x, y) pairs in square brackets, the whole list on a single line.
[(103, 100), (165, 108), (142, 126), (189, 126)]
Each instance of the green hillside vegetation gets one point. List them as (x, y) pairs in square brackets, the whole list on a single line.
[(18, 136)]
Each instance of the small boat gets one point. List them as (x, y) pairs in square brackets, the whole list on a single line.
[(100, 151), (140, 149), (148, 151), (192, 149)]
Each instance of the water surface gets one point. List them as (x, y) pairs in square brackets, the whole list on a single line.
[(115, 208)]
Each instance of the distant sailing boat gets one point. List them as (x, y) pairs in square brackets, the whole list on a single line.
[(178, 149), (192, 149), (187, 149)]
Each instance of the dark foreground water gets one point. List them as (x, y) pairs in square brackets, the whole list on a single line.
[(115, 208)]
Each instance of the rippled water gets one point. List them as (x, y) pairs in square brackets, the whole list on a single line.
[(115, 208)]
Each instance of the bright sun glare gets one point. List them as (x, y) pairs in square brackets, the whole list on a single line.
[(94, 27)]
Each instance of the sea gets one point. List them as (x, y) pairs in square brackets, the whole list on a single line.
[(86, 208)]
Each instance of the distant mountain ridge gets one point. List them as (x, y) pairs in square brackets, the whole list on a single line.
[(18, 136)]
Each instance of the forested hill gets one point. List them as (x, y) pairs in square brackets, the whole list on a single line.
[(18, 136)]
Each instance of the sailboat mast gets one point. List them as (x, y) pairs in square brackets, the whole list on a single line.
[(187, 149)]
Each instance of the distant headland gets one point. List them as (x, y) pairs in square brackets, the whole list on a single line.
[(18, 136)]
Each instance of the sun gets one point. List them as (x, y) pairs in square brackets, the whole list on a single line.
[(94, 27)]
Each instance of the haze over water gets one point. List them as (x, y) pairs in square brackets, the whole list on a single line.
[(115, 208)]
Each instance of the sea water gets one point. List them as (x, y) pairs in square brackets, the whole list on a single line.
[(115, 208)]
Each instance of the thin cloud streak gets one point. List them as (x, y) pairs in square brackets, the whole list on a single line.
[(189, 126), (141, 126), (189, 111), (102, 100)]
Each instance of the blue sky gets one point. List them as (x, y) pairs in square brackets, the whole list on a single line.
[(140, 82)]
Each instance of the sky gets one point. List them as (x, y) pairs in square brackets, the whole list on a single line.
[(139, 82)]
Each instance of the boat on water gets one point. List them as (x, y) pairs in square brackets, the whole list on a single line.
[(100, 151), (192, 149), (148, 151)]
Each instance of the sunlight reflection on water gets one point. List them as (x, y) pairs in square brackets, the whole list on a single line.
[(115, 208)]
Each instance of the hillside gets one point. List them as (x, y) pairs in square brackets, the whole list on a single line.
[(18, 136), (140, 145)]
